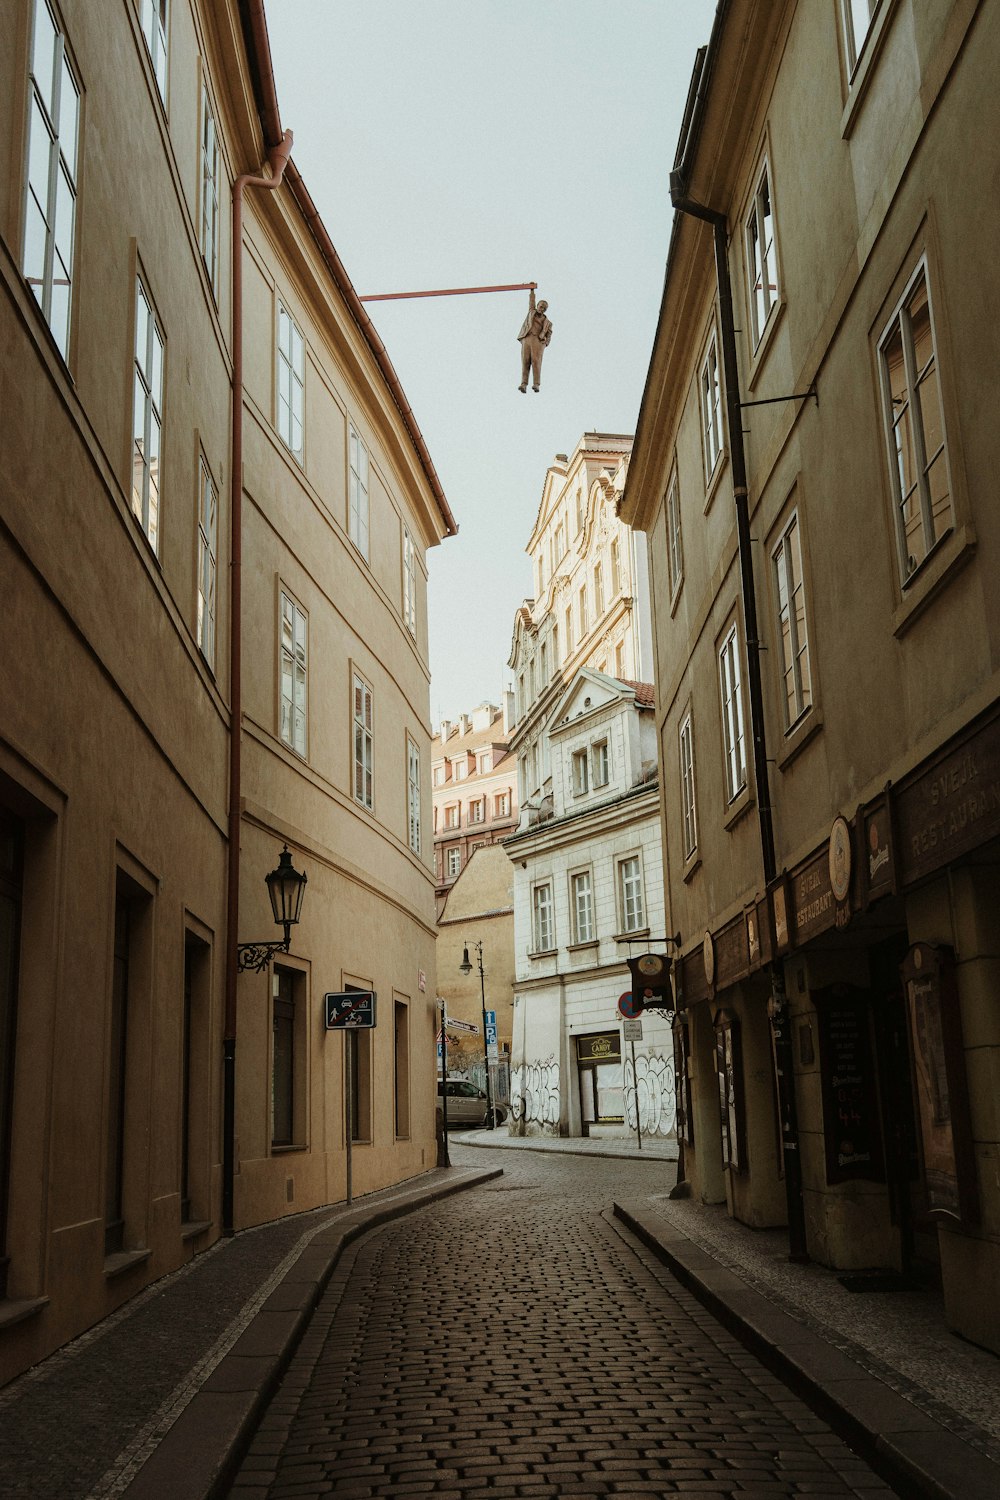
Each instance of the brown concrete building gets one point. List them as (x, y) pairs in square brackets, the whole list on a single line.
[(123, 794), (473, 790), (814, 467)]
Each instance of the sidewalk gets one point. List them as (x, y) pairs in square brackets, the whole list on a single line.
[(158, 1399), (652, 1149)]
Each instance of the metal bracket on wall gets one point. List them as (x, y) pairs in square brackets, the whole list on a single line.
[(795, 396)]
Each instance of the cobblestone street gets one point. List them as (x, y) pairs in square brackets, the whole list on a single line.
[(515, 1341)]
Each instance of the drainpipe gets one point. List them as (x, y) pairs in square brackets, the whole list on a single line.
[(777, 1006), (277, 159)]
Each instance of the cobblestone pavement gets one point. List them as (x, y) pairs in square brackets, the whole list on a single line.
[(515, 1341)]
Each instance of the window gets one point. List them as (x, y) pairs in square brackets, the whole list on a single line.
[(581, 782), (914, 425), (620, 659), (413, 794), (284, 1079), (147, 416), (50, 201), (209, 190), (409, 583), (451, 815), (477, 810), (675, 554), (358, 1058), (762, 266), (792, 623), (454, 861), (501, 805), (598, 591), (601, 763), (543, 664), (358, 494), (401, 1068), (483, 762), (154, 29), (616, 569), (569, 632), (688, 814), (439, 775), (582, 611), (208, 545), (459, 769), (114, 1184), (630, 894), (543, 934), (363, 744), (291, 381), (579, 510), (292, 728), (583, 907), (555, 648), (857, 17), (560, 544), (732, 715), (711, 408)]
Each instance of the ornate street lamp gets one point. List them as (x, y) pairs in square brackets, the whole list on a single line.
[(466, 968), (286, 887)]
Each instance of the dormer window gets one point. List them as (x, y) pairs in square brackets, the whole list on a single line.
[(581, 775), (601, 762)]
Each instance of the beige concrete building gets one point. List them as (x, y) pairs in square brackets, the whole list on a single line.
[(473, 789), (123, 793), (479, 909), (814, 467)]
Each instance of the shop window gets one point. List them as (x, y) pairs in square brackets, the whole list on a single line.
[(401, 1068)]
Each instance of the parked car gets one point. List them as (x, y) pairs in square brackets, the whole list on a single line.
[(467, 1104)]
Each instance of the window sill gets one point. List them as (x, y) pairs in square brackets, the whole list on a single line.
[(952, 552), (288, 1150), (633, 936), (798, 737), (714, 480), (124, 1260), (741, 804), (194, 1229), (581, 947), (360, 1140), (691, 864), (542, 952), (759, 355), (14, 1310)]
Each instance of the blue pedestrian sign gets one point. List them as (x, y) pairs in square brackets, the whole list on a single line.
[(349, 1010)]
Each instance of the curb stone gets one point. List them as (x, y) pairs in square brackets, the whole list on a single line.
[(917, 1455), (199, 1454)]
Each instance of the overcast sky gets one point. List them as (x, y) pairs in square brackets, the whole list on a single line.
[(469, 142)]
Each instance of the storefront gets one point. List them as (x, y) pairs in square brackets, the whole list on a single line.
[(599, 1064)]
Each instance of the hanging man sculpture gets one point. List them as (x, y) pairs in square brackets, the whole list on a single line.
[(536, 331)]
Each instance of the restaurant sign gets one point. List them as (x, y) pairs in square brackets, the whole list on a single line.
[(952, 808)]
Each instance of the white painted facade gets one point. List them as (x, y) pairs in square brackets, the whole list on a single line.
[(588, 872)]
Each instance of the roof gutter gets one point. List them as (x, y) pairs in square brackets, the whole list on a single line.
[(265, 93)]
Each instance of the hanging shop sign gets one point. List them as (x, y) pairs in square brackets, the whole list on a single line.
[(851, 1130), (878, 867), (941, 1086), (813, 903), (732, 954)]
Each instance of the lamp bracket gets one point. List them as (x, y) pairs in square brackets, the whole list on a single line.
[(256, 956)]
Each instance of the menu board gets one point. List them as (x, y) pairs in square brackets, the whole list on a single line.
[(851, 1128)]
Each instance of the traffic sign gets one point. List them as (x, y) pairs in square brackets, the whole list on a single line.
[(349, 1010), (454, 1025), (630, 1006), (490, 1018), (632, 1031), (491, 1041)]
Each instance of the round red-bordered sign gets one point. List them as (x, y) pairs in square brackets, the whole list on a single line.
[(630, 1006)]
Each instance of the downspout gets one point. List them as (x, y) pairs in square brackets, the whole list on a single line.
[(778, 1006), (277, 159)]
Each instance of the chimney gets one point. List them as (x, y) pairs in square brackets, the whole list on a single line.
[(509, 716), (445, 729), (464, 724), (483, 716)]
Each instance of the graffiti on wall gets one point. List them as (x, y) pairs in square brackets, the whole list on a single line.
[(534, 1092), (652, 1084)]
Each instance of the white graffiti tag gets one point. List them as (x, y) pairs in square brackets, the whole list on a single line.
[(534, 1092), (656, 1094)]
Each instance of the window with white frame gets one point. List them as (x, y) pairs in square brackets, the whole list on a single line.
[(633, 916), (857, 17), (582, 899), (364, 778), (155, 19), (914, 426), (357, 485), (477, 810), (582, 612), (50, 198), (619, 659), (543, 926), (294, 665), (555, 648), (439, 776), (792, 631), (602, 764), (689, 816), (409, 583), (208, 546), (501, 805), (483, 762), (559, 546), (452, 815), (413, 794), (734, 740), (762, 264), (291, 380), (579, 510), (459, 769), (543, 664), (675, 552), (710, 388), (209, 189), (581, 780), (454, 861), (147, 416), (598, 591), (569, 631)]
